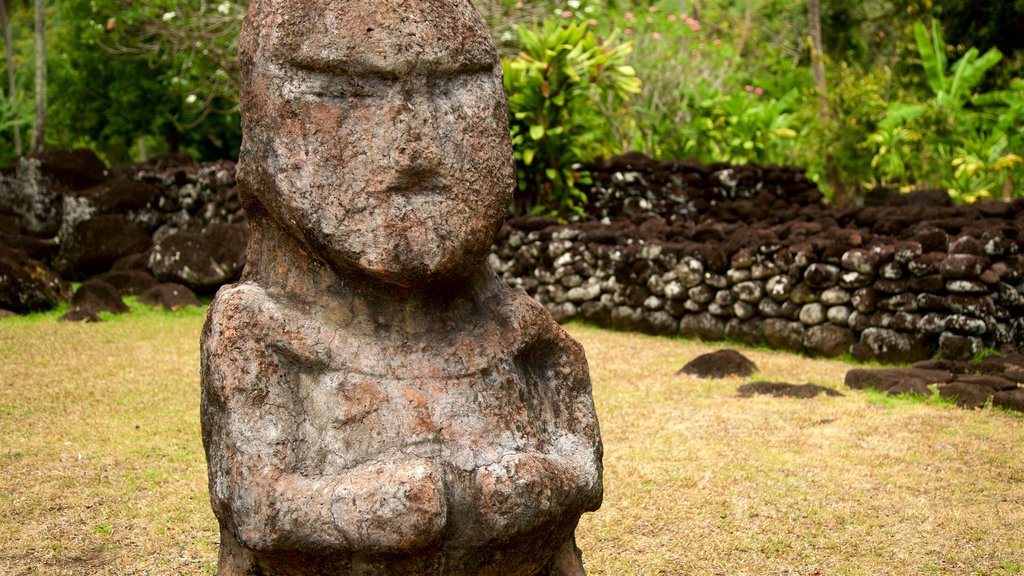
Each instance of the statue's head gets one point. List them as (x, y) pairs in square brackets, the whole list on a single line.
[(376, 133)]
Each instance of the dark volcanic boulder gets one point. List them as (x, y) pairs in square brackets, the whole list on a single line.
[(783, 334), (169, 295), (891, 347), (73, 169), (35, 191), (27, 285), (203, 261), (128, 282), (132, 199), (91, 246), (35, 248), (967, 394), (705, 326), (719, 364), (784, 389), (97, 296), (829, 340)]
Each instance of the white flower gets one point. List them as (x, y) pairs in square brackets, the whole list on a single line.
[(573, 4), (191, 99), (224, 7), (168, 16)]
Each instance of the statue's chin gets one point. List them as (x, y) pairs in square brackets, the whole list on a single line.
[(409, 268)]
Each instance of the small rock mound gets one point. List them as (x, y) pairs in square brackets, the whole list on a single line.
[(129, 282), (79, 316), (784, 389), (719, 364), (997, 379), (96, 296), (169, 295)]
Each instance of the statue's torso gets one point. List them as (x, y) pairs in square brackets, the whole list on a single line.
[(493, 421)]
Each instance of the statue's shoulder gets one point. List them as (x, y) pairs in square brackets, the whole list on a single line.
[(240, 311), (539, 333)]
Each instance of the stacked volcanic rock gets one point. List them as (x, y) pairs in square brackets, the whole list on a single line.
[(894, 283), (64, 216), (997, 379), (684, 190)]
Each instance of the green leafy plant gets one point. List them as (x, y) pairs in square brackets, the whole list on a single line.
[(948, 140), (554, 85)]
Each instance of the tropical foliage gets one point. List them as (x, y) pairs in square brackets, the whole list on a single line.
[(916, 93)]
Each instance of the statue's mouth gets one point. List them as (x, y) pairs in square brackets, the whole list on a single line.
[(416, 181)]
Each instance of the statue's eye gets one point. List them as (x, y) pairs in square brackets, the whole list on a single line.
[(319, 85)]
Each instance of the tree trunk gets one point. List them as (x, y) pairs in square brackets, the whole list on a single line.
[(12, 85), (840, 195), (39, 135), (817, 52)]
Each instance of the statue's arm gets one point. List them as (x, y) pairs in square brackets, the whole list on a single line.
[(250, 417)]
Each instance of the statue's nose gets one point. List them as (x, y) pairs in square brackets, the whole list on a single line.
[(416, 153)]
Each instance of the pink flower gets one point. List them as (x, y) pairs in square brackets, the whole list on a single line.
[(567, 14), (671, 17), (748, 88), (652, 9), (628, 31), (110, 25), (650, 20), (759, 91), (592, 21), (656, 35), (695, 27), (717, 41), (695, 53), (629, 16)]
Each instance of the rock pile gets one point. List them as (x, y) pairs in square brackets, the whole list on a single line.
[(997, 379), (66, 216), (894, 283)]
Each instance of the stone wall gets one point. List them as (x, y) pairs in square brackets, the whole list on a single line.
[(66, 216), (748, 253)]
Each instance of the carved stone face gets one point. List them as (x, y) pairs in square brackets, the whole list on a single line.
[(376, 133)]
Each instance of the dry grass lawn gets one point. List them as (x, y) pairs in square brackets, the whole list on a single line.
[(103, 472)]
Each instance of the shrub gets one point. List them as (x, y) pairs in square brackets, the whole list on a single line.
[(554, 87)]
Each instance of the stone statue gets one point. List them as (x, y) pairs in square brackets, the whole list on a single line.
[(374, 400)]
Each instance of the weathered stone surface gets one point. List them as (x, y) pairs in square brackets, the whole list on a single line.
[(719, 364), (26, 285), (375, 400)]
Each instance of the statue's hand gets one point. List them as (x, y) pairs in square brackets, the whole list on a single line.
[(391, 507)]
